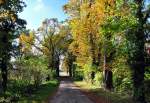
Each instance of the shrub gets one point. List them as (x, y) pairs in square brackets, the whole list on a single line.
[(98, 80), (89, 72), (79, 75), (122, 78)]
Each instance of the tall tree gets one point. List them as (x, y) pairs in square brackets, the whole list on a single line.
[(132, 17), (9, 24), (51, 39), (55, 42), (137, 61), (85, 22)]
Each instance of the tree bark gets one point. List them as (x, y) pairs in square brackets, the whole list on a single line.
[(92, 49), (4, 73), (139, 65), (139, 68), (107, 73), (108, 82), (4, 59), (57, 67)]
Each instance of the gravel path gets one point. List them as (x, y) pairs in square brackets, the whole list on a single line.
[(69, 93)]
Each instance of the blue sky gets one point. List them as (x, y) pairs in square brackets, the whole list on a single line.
[(37, 10)]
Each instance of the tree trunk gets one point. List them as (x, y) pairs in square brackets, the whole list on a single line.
[(70, 69), (92, 49), (139, 65), (108, 82), (93, 56), (107, 75), (4, 74), (4, 59), (138, 83), (98, 57), (74, 67), (57, 67), (139, 68), (51, 61)]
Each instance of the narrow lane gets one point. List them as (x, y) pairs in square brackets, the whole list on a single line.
[(69, 93)]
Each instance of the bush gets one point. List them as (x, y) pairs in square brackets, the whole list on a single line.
[(33, 69), (89, 72), (79, 75), (27, 75), (98, 80), (122, 78)]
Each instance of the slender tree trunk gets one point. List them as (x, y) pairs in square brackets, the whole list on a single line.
[(70, 68), (93, 56), (92, 49), (4, 73), (107, 73), (98, 57), (104, 65), (52, 54), (91, 39), (108, 82), (71, 59), (74, 67), (92, 45), (57, 66), (51, 62)]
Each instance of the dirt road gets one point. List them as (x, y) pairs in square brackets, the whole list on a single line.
[(69, 93)]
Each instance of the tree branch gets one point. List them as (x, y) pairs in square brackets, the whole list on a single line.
[(147, 15)]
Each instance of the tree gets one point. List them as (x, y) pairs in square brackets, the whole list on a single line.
[(25, 41), (51, 39), (137, 61), (86, 19), (9, 24), (131, 17), (55, 42)]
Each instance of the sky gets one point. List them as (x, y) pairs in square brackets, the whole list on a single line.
[(38, 10)]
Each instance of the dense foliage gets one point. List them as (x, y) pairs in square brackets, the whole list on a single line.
[(104, 42), (109, 42)]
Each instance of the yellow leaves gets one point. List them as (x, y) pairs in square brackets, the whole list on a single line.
[(26, 38), (46, 51), (26, 41), (2, 2), (125, 10), (8, 14), (111, 2), (79, 48), (84, 10), (91, 17)]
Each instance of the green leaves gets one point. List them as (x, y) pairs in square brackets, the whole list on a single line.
[(9, 19)]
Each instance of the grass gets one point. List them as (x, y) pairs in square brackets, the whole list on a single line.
[(42, 94), (110, 97)]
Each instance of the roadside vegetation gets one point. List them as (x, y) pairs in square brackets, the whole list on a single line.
[(105, 44)]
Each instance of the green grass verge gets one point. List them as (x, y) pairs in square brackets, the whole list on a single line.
[(106, 95), (41, 95)]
